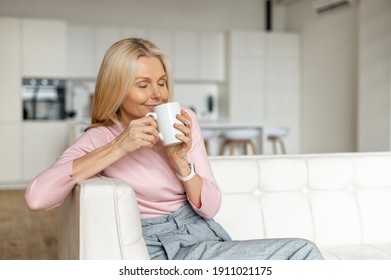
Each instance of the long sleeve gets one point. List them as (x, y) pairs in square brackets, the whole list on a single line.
[(50, 188), (210, 194)]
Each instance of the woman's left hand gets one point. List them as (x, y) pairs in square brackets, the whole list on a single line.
[(178, 161), (177, 153)]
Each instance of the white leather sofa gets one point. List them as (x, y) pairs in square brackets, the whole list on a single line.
[(340, 201)]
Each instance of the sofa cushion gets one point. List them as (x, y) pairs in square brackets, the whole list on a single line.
[(339, 201), (287, 214), (378, 251), (336, 218), (277, 174), (237, 175), (330, 174), (375, 209), (241, 216)]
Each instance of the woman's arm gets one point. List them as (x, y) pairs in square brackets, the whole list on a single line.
[(139, 133), (202, 190), (91, 154), (49, 188)]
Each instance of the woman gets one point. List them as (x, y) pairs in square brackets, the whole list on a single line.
[(176, 208)]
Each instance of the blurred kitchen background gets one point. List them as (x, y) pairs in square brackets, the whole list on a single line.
[(317, 69), (320, 68)]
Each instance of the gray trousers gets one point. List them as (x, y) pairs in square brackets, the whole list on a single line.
[(184, 235)]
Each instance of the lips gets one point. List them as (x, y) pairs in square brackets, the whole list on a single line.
[(151, 106)]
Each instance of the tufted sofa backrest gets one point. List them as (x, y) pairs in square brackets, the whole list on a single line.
[(332, 199)]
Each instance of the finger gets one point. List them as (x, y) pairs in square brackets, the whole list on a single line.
[(151, 131), (185, 129), (151, 139), (150, 121), (186, 141), (186, 120)]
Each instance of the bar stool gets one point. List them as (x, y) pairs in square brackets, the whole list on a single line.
[(239, 138), (275, 136)]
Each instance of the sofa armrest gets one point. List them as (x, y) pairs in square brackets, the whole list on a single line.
[(100, 220)]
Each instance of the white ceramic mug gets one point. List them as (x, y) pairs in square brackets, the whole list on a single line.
[(165, 116)]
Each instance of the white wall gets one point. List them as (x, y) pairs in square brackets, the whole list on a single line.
[(183, 14), (375, 76), (329, 76)]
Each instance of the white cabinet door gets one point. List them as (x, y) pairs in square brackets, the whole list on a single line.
[(44, 48), (283, 86), (11, 152), (10, 69), (128, 32), (88, 44), (164, 39), (81, 51), (247, 43), (186, 55), (247, 72), (264, 81), (105, 37), (199, 56), (247, 90), (43, 143), (212, 56)]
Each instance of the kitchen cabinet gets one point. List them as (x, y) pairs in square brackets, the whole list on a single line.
[(247, 89), (80, 51), (87, 45), (199, 56), (264, 81), (164, 39), (105, 36), (247, 72), (11, 152), (128, 32), (195, 56), (186, 56), (27, 148), (10, 69), (212, 56), (283, 86), (44, 44), (43, 143)]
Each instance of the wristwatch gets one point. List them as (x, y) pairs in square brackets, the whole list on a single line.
[(190, 176)]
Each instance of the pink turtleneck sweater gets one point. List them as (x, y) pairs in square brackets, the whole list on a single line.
[(147, 171)]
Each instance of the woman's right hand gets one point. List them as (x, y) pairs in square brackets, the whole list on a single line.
[(139, 133)]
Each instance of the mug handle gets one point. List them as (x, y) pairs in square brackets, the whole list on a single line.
[(154, 115)]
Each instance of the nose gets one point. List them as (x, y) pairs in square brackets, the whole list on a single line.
[(156, 92)]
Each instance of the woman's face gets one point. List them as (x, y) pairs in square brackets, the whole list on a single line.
[(148, 90)]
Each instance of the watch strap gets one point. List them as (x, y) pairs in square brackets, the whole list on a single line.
[(190, 176)]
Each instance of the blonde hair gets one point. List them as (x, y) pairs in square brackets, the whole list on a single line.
[(117, 73)]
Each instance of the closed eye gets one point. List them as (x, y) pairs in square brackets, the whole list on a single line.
[(162, 82)]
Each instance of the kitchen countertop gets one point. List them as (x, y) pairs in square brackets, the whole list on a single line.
[(228, 124)]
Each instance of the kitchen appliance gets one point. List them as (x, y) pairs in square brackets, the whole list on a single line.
[(202, 98), (44, 99)]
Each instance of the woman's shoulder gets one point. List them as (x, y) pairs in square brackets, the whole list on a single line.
[(99, 135), (113, 129)]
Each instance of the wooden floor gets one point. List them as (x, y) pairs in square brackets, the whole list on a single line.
[(24, 234)]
